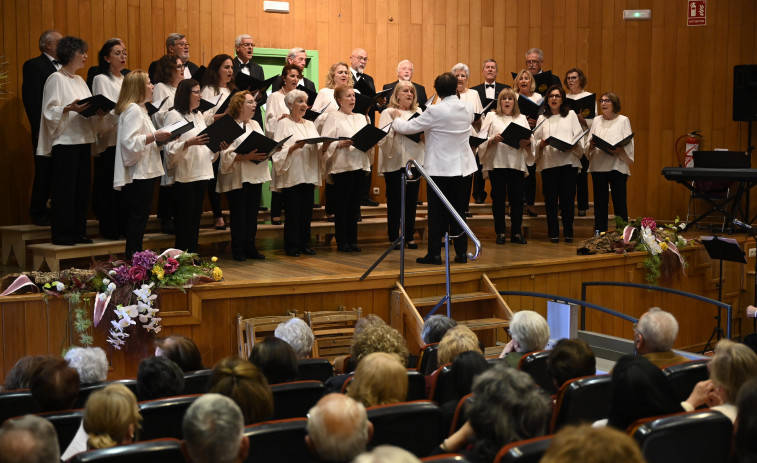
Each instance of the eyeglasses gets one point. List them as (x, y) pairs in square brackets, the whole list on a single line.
[(361, 58), (247, 44), (572, 77), (554, 96), (182, 44), (533, 61), (605, 100)]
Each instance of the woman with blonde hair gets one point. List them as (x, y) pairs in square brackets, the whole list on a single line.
[(456, 341), (111, 417), (242, 382), (524, 84), (380, 379), (339, 74), (137, 164)]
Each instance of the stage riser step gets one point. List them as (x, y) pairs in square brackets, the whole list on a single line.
[(456, 299)]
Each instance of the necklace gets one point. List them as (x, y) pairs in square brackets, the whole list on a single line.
[(66, 72), (299, 127)]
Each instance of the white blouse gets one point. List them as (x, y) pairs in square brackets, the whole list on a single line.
[(395, 150), (109, 86), (135, 159), (473, 99), (217, 96), (565, 128), (498, 155), (611, 131), (160, 92), (57, 128), (338, 160), (274, 109), (299, 166), (231, 175), (325, 99), (189, 163)]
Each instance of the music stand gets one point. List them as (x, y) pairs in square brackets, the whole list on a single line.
[(721, 249)]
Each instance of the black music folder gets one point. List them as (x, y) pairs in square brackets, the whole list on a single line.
[(543, 81), (363, 103), (428, 102), (529, 107), (475, 141), (261, 143), (206, 105), (486, 108), (514, 133), (367, 137), (222, 109), (316, 140), (152, 109), (199, 74), (584, 106), (607, 146), (176, 129), (416, 137), (311, 94), (245, 82), (96, 102), (311, 115), (224, 129), (563, 145)]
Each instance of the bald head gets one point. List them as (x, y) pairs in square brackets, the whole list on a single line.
[(338, 428), (656, 331), (358, 59), (29, 439)]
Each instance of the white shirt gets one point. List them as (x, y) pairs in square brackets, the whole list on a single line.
[(160, 92), (57, 128), (338, 160), (446, 126), (611, 131), (243, 67), (395, 150), (299, 166), (217, 96), (490, 91), (275, 108), (54, 61), (109, 86), (188, 163), (135, 159), (473, 99), (565, 128), (497, 155), (231, 175), (325, 99)]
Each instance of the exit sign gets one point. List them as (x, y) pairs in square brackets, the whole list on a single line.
[(696, 12)]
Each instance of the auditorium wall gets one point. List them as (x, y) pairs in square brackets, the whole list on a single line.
[(672, 79)]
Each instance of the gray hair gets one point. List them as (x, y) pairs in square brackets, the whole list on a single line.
[(405, 61), (172, 38), (43, 39), (28, 439), (297, 334), (213, 429), (537, 51), (462, 66), (338, 428), (659, 329), (530, 330), (435, 326), (294, 52), (90, 362), (240, 37), (387, 454), (292, 96), (490, 60)]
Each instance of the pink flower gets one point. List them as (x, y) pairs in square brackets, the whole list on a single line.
[(137, 274), (171, 265), (648, 222)]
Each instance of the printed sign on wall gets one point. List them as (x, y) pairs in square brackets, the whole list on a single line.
[(696, 13)]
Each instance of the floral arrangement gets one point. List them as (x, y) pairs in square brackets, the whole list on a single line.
[(660, 242)]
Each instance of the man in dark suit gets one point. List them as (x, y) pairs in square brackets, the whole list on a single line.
[(298, 57), (534, 60), (176, 44), (245, 46), (358, 61), (405, 72), (487, 91), (35, 74)]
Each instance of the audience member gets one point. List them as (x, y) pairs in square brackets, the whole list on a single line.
[(380, 379), (456, 341), (298, 334), (570, 359), (338, 428), (90, 362), (214, 431), (506, 407), (54, 385), (465, 368), (639, 390), (387, 454), (245, 384), (654, 335), (592, 445), (732, 365), (18, 377), (28, 439), (111, 417), (378, 338), (159, 377), (435, 327), (369, 320), (347, 364), (744, 443), (182, 350), (276, 360), (529, 332)]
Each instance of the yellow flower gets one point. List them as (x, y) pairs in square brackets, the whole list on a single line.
[(158, 272), (664, 246), (217, 274), (214, 259)]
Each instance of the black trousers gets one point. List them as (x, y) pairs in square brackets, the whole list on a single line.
[(137, 197), (106, 200), (582, 185), (70, 192), (617, 183), (298, 202), (365, 187), (215, 198), (529, 190), (187, 213), (276, 204), (165, 199), (439, 218), (329, 196), (243, 213), (393, 204), (346, 200), (479, 183), (559, 189), (507, 183), (41, 186)]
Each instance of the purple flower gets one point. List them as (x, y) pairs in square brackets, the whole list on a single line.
[(145, 259), (171, 265), (122, 275), (137, 274)]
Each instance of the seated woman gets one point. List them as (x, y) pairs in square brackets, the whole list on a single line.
[(731, 366), (456, 341), (465, 368), (242, 382), (275, 359), (297, 334), (182, 350), (570, 359), (745, 446), (380, 379), (529, 332)]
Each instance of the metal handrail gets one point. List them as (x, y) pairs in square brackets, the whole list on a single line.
[(571, 301)]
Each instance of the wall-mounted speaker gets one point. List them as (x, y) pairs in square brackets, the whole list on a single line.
[(745, 92)]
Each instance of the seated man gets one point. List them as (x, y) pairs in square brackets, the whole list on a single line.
[(338, 428), (214, 431), (28, 439), (654, 335)]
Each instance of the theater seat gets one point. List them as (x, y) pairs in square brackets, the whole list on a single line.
[(318, 369), (294, 399), (460, 416), (66, 424), (162, 417), (153, 451), (581, 400), (525, 451), (279, 440), (442, 386), (416, 385), (535, 364), (84, 393), (427, 362), (414, 426), (16, 403), (196, 382), (447, 458), (684, 376), (699, 436)]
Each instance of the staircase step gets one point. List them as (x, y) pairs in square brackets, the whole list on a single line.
[(484, 323), (464, 297)]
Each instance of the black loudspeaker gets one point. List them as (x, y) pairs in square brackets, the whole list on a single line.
[(745, 92)]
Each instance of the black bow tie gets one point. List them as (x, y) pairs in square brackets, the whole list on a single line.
[(358, 75), (489, 85), (55, 62)]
